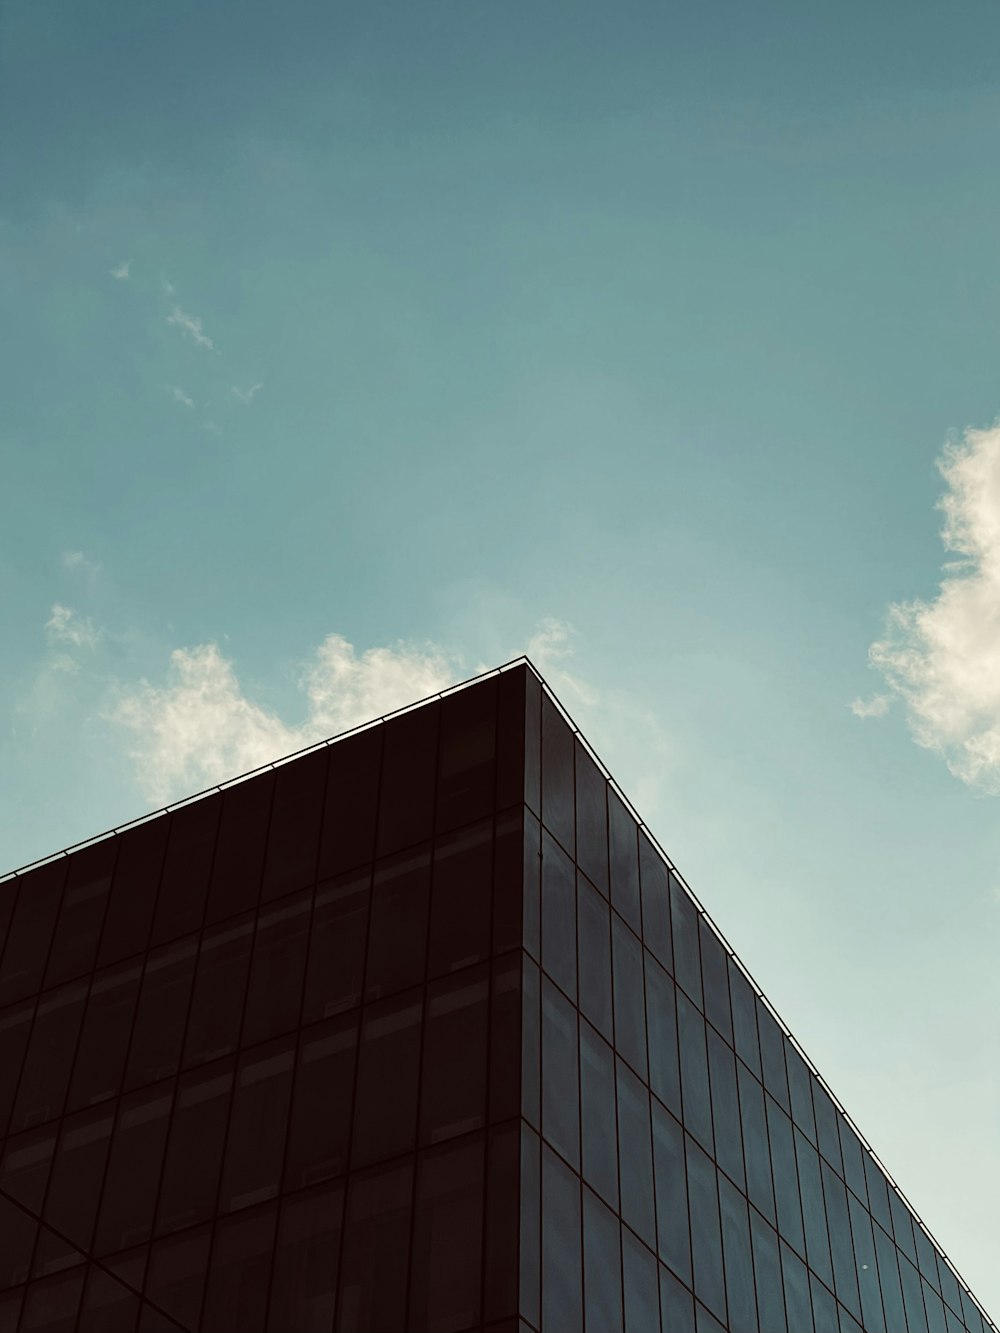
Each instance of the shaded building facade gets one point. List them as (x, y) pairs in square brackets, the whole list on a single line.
[(420, 1032)]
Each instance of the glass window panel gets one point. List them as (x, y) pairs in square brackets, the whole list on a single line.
[(531, 1044), (705, 1322), (772, 1056), (194, 1152), (635, 1154), (864, 1260), (77, 1172), (558, 915), (237, 1279), (453, 1084), (673, 1237), (107, 1024), (320, 1122), (827, 1118), (878, 1193), (560, 1067), (969, 1311), (385, 1114), (591, 819), (239, 851), (684, 928), (654, 883), (706, 1237), (530, 1256), (277, 968), (725, 1108), (376, 1251), (30, 932), (854, 1171), (187, 867), (797, 1303), (351, 802), (624, 861), (715, 975), (888, 1273), (46, 1071), (219, 988), (694, 1072), (337, 945), (934, 1307), (841, 1244), (813, 1210), (532, 879), (800, 1082), (409, 761), (8, 901), (304, 1286), (557, 775), (661, 1018), (676, 1305), (642, 1303), (446, 1267), (755, 1147), (510, 737), (602, 1269), (129, 918), (740, 1296), (467, 764), (256, 1143), (847, 1324), (630, 1008), (744, 1019), (913, 1301), (24, 1170), (926, 1254), (17, 1240), (397, 938), (162, 1013), (767, 1272), (825, 1307), (597, 1105), (175, 1279), (948, 1285), (108, 1307), (595, 958), (53, 1254), (533, 743), (501, 1234), (126, 1216), (786, 1181), (505, 1038), (15, 1030), (902, 1225), (461, 892), (50, 1306), (293, 837), (81, 912), (562, 1278), (508, 880)]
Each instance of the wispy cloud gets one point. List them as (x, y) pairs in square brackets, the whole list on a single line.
[(190, 326), (179, 396), (942, 657), (876, 706), (247, 395), (66, 626), (75, 562), (122, 271), (550, 647)]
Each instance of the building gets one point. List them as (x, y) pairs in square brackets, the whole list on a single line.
[(419, 1032)]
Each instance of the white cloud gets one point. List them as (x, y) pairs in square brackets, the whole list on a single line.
[(122, 271), (67, 626), (877, 706), (548, 648), (75, 562), (179, 396), (190, 326), (942, 657), (247, 395)]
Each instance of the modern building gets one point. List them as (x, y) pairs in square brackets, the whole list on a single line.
[(420, 1032)]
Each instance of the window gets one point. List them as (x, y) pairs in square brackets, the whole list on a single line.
[(597, 1102), (706, 1238), (562, 1279), (505, 1038), (797, 1302), (630, 1008), (755, 1148), (180, 900), (635, 1155), (277, 969), (694, 1071), (557, 775), (397, 938), (655, 885), (77, 1173), (256, 1142), (841, 1245), (385, 1113), (744, 1019), (595, 958), (453, 1085), (772, 1056), (461, 899), (786, 1180), (864, 1258), (725, 1108), (661, 1019), (46, 1070), (104, 1038), (502, 1231), (740, 1295), (813, 1212), (560, 1066), (293, 837), (715, 973), (155, 1051), (409, 761), (642, 1303), (591, 819), (376, 1251), (220, 982), (466, 768), (30, 931), (447, 1238), (602, 1270), (530, 1272), (320, 1122), (239, 849), (126, 1215), (194, 1153), (129, 915), (337, 945), (50, 1306), (351, 803), (240, 1266), (624, 858), (176, 1276), (800, 1087), (684, 928), (770, 1305), (81, 912), (304, 1286), (673, 1236), (558, 916)]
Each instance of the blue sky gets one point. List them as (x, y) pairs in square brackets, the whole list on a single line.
[(350, 348)]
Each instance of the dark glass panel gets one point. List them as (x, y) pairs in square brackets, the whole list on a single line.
[(673, 1237), (623, 839), (15, 1030), (187, 868), (239, 849), (902, 1225), (772, 1056), (175, 1279), (508, 880), (466, 768), (827, 1118), (453, 1082), (277, 969), (676, 1305), (53, 1254), (237, 1279), (706, 1236), (595, 958), (800, 1082), (81, 912), (558, 915), (767, 1272), (661, 1019), (129, 917), (258, 1121), (320, 1120), (530, 1256), (591, 819), (813, 1211), (293, 838), (505, 1038), (825, 1307), (194, 1153), (705, 1322), (970, 1313), (642, 1302), (397, 938), (684, 929), (50, 1306), (755, 1149), (351, 802), (376, 1251), (47, 1066), (30, 932), (934, 1307), (654, 882), (532, 880), (533, 742), (630, 1008), (913, 1301), (337, 945), (531, 1044), (562, 1278), (888, 1273), (304, 1286), (560, 1070), (409, 761), (926, 1254), (798, 1306), (10, 1310), (510, 738), (715, 974), (161, 1015), (104, 1037), (602, 1268), (220, 984), (77, 1171), (17, 1240), (854, 1170), (8, 901), (786, 1180), (845, 1278), (635, 1154), (126, 1216), (557, 775), (948, 1285), (24, 1170), (500, 1282), (740, 1296), (694, 1072), (385, 1113), (726, 1108), (446, 1265), (597, 1106), (108, 1307), (847, 1324), (878, 1194), (864, 1261), (461, 891), (744, 1019)]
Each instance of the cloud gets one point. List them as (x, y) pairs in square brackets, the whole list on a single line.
[(548, 648), (190, 326), (942, 657), (247, 395), (75, 562), (877, 706), (122, 271), (179, 396), (67, 626)]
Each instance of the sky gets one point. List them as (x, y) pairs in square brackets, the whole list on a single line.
[(352, 348)]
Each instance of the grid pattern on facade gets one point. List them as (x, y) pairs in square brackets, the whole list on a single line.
[(682, 1168), (258, 1057)]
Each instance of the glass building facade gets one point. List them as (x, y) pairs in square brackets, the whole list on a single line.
[(420, 1032)]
